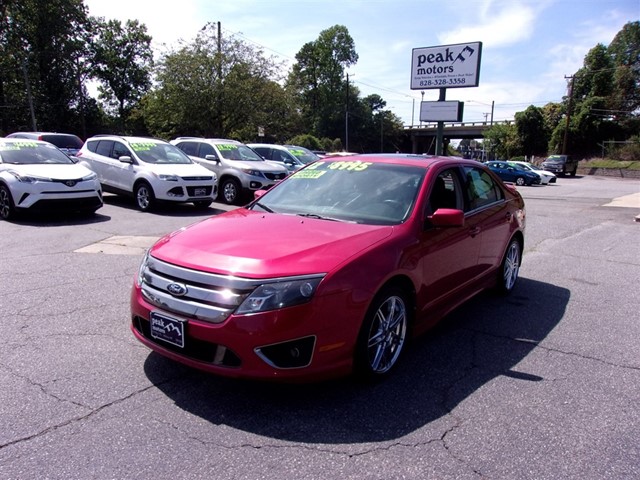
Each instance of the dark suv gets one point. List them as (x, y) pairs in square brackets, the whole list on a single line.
[(67, 142), (561, 165)]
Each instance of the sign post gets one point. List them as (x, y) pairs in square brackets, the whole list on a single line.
[(442, 67)]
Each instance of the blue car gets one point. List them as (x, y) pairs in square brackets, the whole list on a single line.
[(512, 172)]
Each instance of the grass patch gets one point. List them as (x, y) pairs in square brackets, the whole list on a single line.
[(605, 163)]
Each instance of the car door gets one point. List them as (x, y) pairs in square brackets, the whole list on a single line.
[(205, 149), (122, 173), (488, 215), (449, 255), (102, 160)]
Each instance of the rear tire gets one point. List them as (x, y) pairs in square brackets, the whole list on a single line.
[(510, 267), (383, 334), (145, 199)]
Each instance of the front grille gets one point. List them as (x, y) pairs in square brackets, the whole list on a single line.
[(197, 179), (275, 176), (205, 296)]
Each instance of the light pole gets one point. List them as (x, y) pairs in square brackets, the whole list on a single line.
[(421, 93), (492, 105)]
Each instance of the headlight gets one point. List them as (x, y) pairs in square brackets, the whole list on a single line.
[(255, 173), (271, 296), (169, 178), (91, 176), (27, 178), (142, 268)]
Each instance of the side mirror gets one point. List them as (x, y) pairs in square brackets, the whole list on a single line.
[(258, 193), (213, 158), (126, 159), (447, 217)]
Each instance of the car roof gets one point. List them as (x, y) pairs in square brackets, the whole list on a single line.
[(127, 138), (403, 159)]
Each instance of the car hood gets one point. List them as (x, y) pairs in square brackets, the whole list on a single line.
[(263, 245), (54, 171)]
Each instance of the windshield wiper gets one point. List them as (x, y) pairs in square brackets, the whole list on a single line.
[(320, 217), (264, 207)]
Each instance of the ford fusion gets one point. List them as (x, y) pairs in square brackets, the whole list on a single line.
[(332, 270)]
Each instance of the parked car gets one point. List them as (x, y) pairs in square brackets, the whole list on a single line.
[(512, 172), (331, 270), (304, 154), (149, 170), (66, 142), (561, 165), (545, 177), (277, 153), (35, 175), (240, 170)]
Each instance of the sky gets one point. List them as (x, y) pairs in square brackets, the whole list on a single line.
[(529, 47)]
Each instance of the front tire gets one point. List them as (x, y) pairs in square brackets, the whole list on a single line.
[(7, 208), (520, 181), (383, 334), (145, 199), (230, 191), (510, 267)]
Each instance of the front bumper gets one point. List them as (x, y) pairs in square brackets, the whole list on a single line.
[(306, 342)]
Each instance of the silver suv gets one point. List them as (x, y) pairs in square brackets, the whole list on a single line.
[(148, 169), (240, 170)]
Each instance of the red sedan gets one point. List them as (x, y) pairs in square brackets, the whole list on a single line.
[(332, 269)]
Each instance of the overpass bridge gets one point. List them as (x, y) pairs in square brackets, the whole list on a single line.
[(423, 137)]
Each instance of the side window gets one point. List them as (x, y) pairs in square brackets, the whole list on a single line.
[(481, 189), (190, 148), (104, 148), (119, 150), (446, 192), (91, 146), (205, 149)]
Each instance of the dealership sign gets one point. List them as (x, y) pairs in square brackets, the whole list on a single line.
[(446, 66)]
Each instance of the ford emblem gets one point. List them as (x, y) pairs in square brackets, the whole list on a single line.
[(176, 289)]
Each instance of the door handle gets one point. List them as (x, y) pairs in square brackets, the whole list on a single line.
[(474, 231)]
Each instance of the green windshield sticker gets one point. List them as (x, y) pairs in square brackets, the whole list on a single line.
[(18, 145), (309, 174), (297, 152), (355, 166), (225, 146), (141, 147)]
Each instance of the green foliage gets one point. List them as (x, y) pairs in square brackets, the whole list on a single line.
[(503, 140), (307, 141), (121, 60), (533, 136)]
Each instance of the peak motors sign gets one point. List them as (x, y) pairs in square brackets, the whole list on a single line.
[(446, 66)]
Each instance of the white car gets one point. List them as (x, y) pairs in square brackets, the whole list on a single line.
[(545, 176), (36, 176), (149, 170)]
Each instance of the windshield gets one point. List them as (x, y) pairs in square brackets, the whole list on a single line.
[(31, 153), (304, 155), (232, 151), (350, 191), (70, 142), (151, 152)]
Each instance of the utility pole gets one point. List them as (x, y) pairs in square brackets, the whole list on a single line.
[(219, 67), (346, 119), (566, 125)]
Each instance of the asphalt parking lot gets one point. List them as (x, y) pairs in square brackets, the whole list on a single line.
[(542, 385)]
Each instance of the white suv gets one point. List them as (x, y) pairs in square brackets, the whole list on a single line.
[(148, 169), (240, 170)]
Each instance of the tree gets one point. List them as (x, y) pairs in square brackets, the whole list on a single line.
[(40, 44), (533, 136), (503, 140), (318, 81), (122, 61), (219, 87)]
